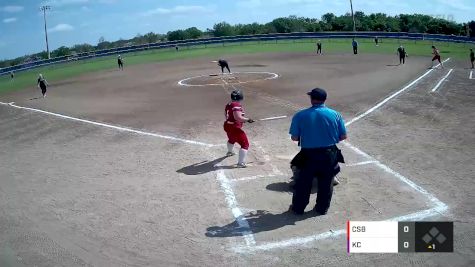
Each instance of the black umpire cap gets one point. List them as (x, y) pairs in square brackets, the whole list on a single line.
[(318, 94)]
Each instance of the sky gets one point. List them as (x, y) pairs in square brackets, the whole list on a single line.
[(72, 22)]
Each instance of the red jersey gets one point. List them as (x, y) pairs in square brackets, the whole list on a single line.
[(229, 113)]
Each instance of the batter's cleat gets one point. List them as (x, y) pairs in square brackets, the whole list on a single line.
[(241, 165), (230, 154)]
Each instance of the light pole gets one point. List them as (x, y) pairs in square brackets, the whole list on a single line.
[(353, 16), (44, 8)]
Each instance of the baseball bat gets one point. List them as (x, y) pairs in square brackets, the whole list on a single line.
[(273, 118)]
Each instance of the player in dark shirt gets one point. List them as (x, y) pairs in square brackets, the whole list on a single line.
[(354, 43), (12, 74), (223, 64), (319, 47), (472, 57), (376, 40), (120, 62), (402, 54), (42, 83)]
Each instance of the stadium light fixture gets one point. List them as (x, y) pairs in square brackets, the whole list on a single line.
[(353, 16), (44, 8)]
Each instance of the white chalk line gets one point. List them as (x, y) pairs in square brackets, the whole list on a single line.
[(369, 111), (410, 183), (441, 81), (299, 241), (272, 77), (439, 205), (471, 75), (230, 196), (119, 128), (273, 175), (438, 208), (267, 158), (231, 201), (255, 177), (360, 163)]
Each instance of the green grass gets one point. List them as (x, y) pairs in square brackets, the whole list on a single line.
[(59, 72)]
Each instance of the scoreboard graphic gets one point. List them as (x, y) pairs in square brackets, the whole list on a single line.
[(395, 237)]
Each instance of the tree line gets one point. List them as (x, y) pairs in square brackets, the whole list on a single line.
[(328, 22)]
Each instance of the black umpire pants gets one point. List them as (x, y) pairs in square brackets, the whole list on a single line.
[(319, 162), (355, 50)]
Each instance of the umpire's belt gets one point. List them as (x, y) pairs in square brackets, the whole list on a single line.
[(320, 149)]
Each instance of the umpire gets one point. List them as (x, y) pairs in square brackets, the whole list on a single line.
[(318, 129)]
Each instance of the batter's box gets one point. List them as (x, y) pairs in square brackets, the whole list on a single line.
[(370, 191)]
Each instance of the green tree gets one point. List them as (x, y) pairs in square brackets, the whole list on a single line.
[(103, 44), (193, 33), (471, 27), (151, 37), (81, 48), (176, 35), (60, 52), (223, 29)]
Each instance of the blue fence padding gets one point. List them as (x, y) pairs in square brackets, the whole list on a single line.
[(237, 39)]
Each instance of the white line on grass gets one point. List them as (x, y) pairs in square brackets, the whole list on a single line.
[(366, 113), (233, 205), (441, 81), (124, 129)]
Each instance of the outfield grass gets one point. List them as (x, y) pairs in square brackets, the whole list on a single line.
[(59, 72)]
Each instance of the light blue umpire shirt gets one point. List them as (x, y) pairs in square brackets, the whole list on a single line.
[(318, 126)]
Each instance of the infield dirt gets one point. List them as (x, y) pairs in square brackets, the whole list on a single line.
[(75, 194)]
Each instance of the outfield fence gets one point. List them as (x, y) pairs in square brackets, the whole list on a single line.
[(249, 39)]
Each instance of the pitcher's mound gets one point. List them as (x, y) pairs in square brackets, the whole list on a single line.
[(223, 79)]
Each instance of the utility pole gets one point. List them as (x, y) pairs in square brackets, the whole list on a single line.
[(353, 16), (44, 8)]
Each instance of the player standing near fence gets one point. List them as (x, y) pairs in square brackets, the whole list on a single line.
[(42, 84), (319, 47), (402, 54), (436, 54), (120, 62), (234, 115), (472, 57), (318, 129), (354, 43)]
